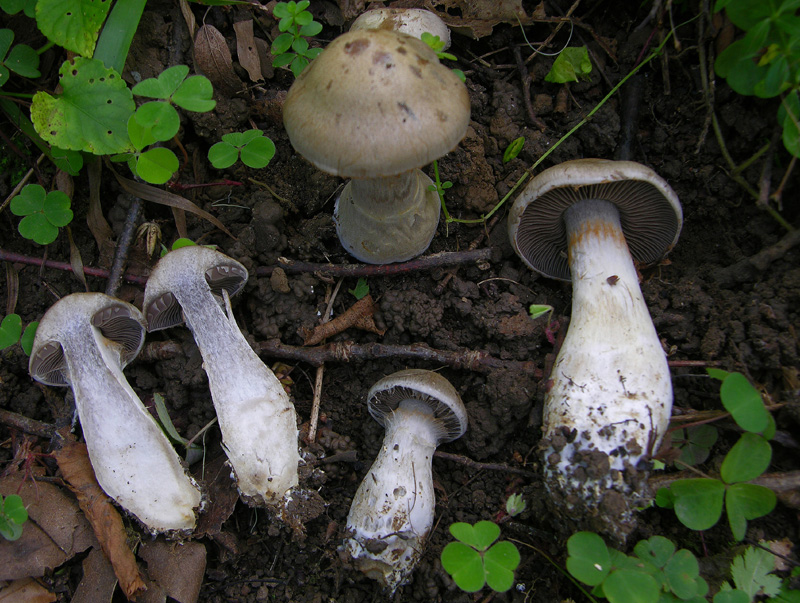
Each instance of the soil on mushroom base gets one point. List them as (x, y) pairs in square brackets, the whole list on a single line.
[(747, 326)]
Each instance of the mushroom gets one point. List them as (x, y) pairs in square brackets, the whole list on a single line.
[(85, 340), (256, 417), (411, 21), (392, 512), (376, 106), (610, 395)]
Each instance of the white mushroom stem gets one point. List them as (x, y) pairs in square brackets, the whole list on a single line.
[(132, 459), (256, 417), (392, 511), (610, 382)]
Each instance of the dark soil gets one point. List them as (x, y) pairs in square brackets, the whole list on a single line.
[(708, 302)]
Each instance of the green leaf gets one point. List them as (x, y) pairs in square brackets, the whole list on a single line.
[(731, 596), (630, 586), (10, 330), (30, 200), (68, 161), (281, 10), (513, 149), (480, 536), (665, 498), (115, 38), (163, 86), (751, 573), (57, 208), (464, 564), (744, 403), (92, 112), (223, 155), (361, 289), (789, 116), (157, 165), (240, 139), (195, 94), (9, 530), (14, 509), (37, 228), (258, 153), (736, 65), (160, 118), (698, 502), (538, 310), (748, 459), (23, 60), (165, 420), (311, 29), (499, 562), (139, 135), (747, 501), (589, 560), (570, 65), (12, 7), (656, 550), (73, 24), (716, 373), (282, 43), (695, 443), (682, 571), (27, 337)]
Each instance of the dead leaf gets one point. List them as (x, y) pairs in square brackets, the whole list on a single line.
[(101, 231), (99, 580), (246, 49), (188, 16), (265, 58), (55, 531), (212, 57), (73, 460), (222, 497), (358, 315), (177, 568), (26, 591)]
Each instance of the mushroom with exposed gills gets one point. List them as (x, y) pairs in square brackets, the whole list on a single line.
[(256, 417), (392, 512), (375, 106), (609, 397), (85, 340)]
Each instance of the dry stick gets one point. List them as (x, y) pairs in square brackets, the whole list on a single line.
[(472, 246), (9, 256), (314, 420), (117, 272), (526, 90), (463, 460), (27, 425)]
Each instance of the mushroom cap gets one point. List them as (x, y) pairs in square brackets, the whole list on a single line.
[(411, 21), (180, 268), (424, 386), (117, 320), (650, 212), (375, 103)]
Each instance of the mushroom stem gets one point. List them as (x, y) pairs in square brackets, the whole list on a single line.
[(392, 511), (611, 395), (256, 417), (402, 205)]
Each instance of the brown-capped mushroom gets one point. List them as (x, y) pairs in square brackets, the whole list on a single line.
[(376, 106), (610, 396), (256, 417), (85, 340), (392, 512)]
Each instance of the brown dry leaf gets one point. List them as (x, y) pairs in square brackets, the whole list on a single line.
[(358, 315), (188, 16), (176, 568), (157, 195), (56, 530), (76, 261), (26, 591), (73, 460), (101, 231), (222, 497), (99, 580), (478, 17), (264, 58), (212, 57), (246, 50)]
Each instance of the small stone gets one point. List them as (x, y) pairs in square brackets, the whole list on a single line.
[(279, 281)]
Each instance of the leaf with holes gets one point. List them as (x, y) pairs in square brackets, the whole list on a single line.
[(91, 114), (73, 24)]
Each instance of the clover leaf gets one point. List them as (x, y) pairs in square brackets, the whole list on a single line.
[(44, 213), (476, 559)]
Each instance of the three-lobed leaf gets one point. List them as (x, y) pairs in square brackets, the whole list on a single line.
[(630, 586), (44, 213), (479, 536)]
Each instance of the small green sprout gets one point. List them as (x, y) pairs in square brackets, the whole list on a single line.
[(476, 559), (291, 47), (437, 45), (656, 573), (571, 65), (698, 502), (513, 149), (12, 515), (194, 452), (21, 59), (180, 242), (11, 333), (44, 213), (439, 187), (515, 505), (255, 150), (361, 289)]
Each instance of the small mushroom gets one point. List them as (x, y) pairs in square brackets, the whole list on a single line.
[(85, 340), (392, 512), (376, 106), (256, 417), (610, 395), (410, 21)]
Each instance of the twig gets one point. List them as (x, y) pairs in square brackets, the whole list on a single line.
[(749, 268), (463, 460), (526, 90), (8, 256), (27, 425), (472, 246), (317, 400), (117, 271)]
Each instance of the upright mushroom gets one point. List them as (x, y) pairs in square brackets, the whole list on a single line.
[(85, 340), (392, 512), (256, 417), (376, 106), (610, 395), (411, 21)]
